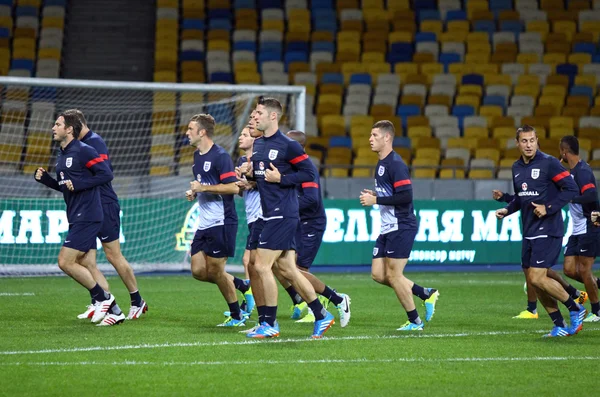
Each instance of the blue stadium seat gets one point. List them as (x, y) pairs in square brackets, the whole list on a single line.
[(26, 64), (294, 56), (582, 90), (219, 13), (299, 46), (484, 26), (266, 56), (329, 25), (425, 5), (512, 26), (222, 24), (262, 4), (271, 46), (588, 48), (323, 46), (428, 15), (568, 69), (395, 58), (244, 46), (456, 15), (222, 109), (501, 5), (4, 33), (472, 78), (193, 24), (425, 36), (405, 111), (191, 55), (221, 77), (244, 4), (340, 141), (402, 141), (332, 78), (26, 12), (446, 58), (361, 78), (462, 111), (401, 48), (495, 100), (596, 58), (44, 94), (321, 4), (324, 14)]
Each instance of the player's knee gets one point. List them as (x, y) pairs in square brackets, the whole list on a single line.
[(200, 274), (378, 278), (571, 271)]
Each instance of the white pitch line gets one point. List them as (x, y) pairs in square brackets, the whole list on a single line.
[(323, 361), (254, 341), (17, 294)]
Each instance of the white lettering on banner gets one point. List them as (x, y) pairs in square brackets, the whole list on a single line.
[(484, 230), (429, 224), (375, 222), (511, 224), (6, 227), (57, 223), (334, 233), (356, 229), (452, 223), (30, 227), (442, 256), (30, 222)]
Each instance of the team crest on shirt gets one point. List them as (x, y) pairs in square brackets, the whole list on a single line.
[(261, 166), (206, 166), (380, 170), (524, 187), (273, 154), (535, 173), (375, 251), (69, 162)]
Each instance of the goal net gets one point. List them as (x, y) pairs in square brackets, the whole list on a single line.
[(143, 125)]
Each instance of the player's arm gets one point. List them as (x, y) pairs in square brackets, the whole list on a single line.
[(101, 173), (305, 169), (403, 193), (310, 195), (588, 192), (567, 187), (515, 203), (43, 177), (501, 196)]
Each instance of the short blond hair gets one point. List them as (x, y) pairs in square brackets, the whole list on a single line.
[(205, 122)]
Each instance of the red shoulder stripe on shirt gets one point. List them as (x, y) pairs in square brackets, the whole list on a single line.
[(227, 175), (104, 156), (94, 161), (561, 176), (299, 159), (588, 186), (402, 182), (310, 184)]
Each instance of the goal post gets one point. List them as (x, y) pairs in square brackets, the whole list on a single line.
[(143, 125)]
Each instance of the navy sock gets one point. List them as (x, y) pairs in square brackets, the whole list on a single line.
[(558, 319), (98, 293), (571, 305), (572, 291), (317, 309), (234, 309), (596, 308), (532, 307), (92, 297), (598, 282), (420, 292), (115, 309), (413, 317), (261, 314), (294, 295), (241, 285), (136, 298), (332, 296), (270, 315)]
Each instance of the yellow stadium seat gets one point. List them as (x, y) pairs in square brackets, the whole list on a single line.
[(529, 90), (481, 174), (559, 132), (554, 90), (424, 168), (332, 125), (431, 26), (556, 102), (381, 111), (428, 153), (405, 68), (554, 58), (490, 111), (529, 79), (568, 28), (470, 100), (503, 132), (364, 167), (470, 89), (592, 27), (528, 58), (458, 26), (416, 121), (488, 153), (419, 131), (588, 80), (502, 121), (580, 59), (476, 132), (497, 79)]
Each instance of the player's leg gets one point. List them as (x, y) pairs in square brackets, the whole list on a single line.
[(68, 259), (551, 306), (571, 268), (215, 268), (403, 289), (245, 262), (298, 305), (378, 269), (590, 247), (572, 291), (88, 260), (531, 311), (287, 267), (545, 252)]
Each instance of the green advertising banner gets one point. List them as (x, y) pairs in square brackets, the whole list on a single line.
[(159, 231)]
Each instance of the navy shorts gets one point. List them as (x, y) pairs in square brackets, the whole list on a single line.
[(309, 237), (82, 236), (396, 244), (583, 245), (540, 252), (111, 227), (254, 230), (279, 234), (216, 241)]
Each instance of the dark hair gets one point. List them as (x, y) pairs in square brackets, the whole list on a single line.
[(206, 122), (571, 143), (524, 128), (71, 120), (272, 105), (385, 125), (79, 115)]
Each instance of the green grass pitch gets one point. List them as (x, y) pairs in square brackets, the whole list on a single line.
[(471, 347)]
